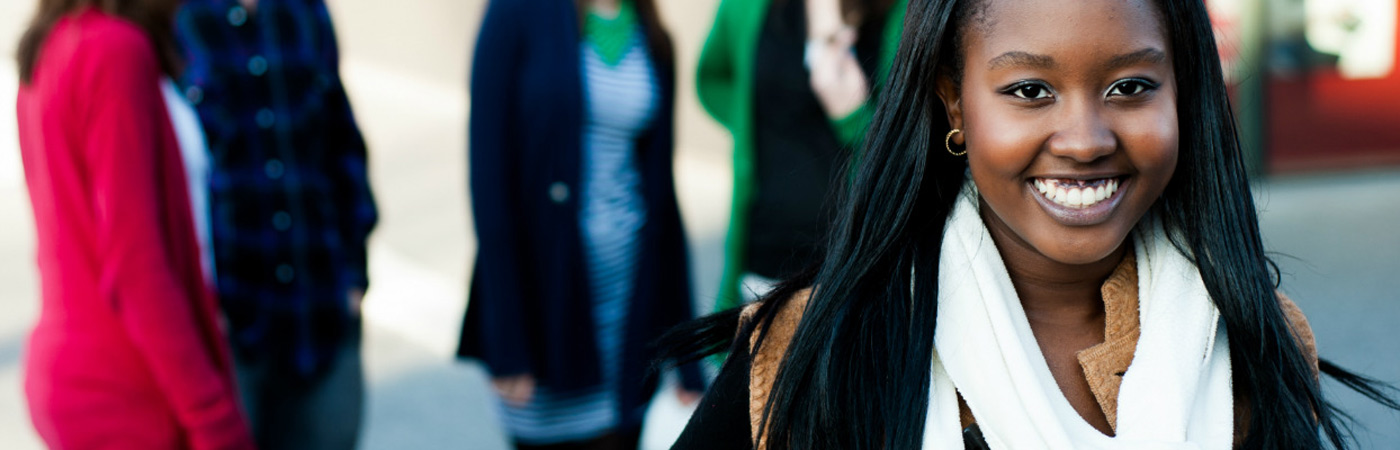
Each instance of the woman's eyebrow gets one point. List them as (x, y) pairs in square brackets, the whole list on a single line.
[(1148, 55), (1017, 58)]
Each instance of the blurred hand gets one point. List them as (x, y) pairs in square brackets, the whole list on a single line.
[(687, 397), (515, 390), (835, 75), (354, 299)]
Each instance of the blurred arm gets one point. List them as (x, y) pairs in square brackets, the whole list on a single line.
[(494, 164), (658, 161), (348, 154), (715, 80)]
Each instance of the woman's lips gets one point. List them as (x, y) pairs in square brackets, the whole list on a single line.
[(1077, 202)]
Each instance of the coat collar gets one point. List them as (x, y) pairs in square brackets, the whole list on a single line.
[(1104, 364)]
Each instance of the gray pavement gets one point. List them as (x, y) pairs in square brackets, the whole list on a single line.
[(405, 66), (1336, 239)]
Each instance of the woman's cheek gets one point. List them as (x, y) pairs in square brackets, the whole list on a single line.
[(1004, 150), (1153, 145)]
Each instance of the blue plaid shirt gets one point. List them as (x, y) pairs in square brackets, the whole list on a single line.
[(290, 202)]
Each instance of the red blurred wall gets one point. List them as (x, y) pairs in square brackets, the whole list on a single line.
[(1319, 121)]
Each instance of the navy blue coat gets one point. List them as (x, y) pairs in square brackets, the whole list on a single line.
[(529, 310)]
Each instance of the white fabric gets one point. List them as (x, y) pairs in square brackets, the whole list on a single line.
[(195, 153), (1175, 395)]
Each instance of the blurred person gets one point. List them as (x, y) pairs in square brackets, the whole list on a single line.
[(791, 80), (582, 259), (128, 351), (291, 210)]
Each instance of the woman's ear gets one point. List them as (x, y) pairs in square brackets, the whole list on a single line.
[(951, 95)]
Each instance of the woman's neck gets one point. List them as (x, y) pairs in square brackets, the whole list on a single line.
[(606, 8), (1051, 291)]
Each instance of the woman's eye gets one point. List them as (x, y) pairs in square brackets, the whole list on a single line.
[(1129, 88), (1030, 91)]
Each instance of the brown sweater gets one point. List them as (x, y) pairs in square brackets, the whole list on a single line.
[(1103, 364)]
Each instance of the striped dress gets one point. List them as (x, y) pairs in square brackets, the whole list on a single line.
[(620, 101)]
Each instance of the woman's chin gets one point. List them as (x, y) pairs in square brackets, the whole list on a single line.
[(1082, 252)]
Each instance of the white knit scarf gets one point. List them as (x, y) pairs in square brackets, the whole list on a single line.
[(1175, 395)]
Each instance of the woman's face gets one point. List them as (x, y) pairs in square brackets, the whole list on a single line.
[(1068, 112)]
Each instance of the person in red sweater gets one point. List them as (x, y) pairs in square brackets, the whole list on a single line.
[(128, 351)]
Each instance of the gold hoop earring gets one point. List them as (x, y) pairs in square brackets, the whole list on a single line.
[(948, 143)]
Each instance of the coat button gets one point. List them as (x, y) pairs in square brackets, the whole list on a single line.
[(281, 221), (257, 65), (285, 273), (194, 94), (265, 118), (273, 169), (237, 16), (559, 192)]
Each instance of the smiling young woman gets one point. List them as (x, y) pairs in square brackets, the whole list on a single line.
[(1080, 267)]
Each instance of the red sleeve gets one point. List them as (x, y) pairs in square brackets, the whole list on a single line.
[(123, 116)]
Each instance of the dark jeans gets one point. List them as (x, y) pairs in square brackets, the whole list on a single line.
[(617, 440), (286, 412)]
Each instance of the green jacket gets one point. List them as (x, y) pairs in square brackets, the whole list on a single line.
[(725, 84)]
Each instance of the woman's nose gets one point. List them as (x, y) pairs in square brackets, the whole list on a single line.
[(1083, 135)]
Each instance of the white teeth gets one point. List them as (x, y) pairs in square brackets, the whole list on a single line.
[(1073, 196)]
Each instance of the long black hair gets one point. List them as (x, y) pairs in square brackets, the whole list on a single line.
[(856, 374)]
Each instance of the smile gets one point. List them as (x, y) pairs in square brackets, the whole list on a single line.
[(1075, 202), (1077, 193)]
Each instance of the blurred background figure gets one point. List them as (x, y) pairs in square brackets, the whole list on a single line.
[(791, 80), (291, 212), (403, 66), (582, 259), (127, 352)]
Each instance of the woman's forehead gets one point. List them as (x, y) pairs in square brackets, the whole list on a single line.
[(1068, 28)]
